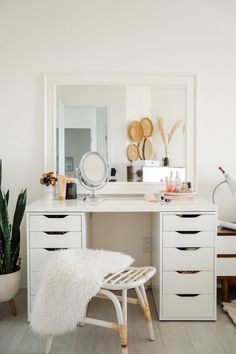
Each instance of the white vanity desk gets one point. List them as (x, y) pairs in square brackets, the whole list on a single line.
[(183, 248)]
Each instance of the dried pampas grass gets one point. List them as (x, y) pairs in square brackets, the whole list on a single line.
[(166, 138), (173, 130)]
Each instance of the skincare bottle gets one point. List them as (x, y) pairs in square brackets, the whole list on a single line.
[(61, 183), (171, 186), (177, 182)]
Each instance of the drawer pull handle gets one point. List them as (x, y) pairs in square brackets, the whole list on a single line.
[(52, 216), (188, 271), (188, 248), (187, 295), (56, 232), (188, 232), (188, 215), (54, 249)]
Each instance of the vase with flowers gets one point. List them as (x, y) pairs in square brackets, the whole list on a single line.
[(49, 181), (167, 138)]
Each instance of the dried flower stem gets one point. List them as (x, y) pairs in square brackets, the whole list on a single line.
[(166, 138)]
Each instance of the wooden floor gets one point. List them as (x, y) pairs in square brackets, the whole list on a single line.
[(171, 337)]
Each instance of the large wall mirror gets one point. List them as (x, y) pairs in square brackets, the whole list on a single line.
[(91, 112)]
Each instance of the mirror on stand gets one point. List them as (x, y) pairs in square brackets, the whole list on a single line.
[(93, 174)]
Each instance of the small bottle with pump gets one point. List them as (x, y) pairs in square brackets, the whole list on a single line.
[(171, 186), (177, 182), (184, 187)]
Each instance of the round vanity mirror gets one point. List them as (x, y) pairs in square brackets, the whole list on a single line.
[(93, 174)]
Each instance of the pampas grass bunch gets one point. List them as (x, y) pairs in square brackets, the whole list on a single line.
[(167, 137)]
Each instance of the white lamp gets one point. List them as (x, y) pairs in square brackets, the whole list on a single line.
[(231, 183)]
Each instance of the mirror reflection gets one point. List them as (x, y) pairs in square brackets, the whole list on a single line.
[(96, 118)]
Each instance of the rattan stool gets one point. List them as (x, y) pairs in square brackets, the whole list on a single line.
[(130, 278)]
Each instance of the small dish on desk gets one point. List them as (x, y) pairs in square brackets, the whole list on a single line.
[(181, 194)]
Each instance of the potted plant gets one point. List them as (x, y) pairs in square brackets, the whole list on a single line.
[(10, 270)]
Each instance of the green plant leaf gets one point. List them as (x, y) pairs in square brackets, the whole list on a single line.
[(15, 234), (4, 225), (2, 271), (0, 172)]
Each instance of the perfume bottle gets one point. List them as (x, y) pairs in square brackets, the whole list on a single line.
[(171, 186), (177, 182)]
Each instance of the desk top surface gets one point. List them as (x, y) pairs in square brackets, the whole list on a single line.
[(120, 204)]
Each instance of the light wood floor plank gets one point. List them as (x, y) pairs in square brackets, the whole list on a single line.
[(171, 337), (225, 331), (203, 338), (175, 338), (140, 331)]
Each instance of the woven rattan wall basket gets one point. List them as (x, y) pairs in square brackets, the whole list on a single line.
[(132, 152), (145, 149), (135, 131), (147, 127)]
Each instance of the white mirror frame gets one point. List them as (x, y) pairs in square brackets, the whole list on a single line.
[(52, 80)]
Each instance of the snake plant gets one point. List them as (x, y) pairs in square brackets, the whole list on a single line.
[(10, 233)]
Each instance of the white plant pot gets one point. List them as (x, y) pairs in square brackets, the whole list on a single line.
[(9, 285)]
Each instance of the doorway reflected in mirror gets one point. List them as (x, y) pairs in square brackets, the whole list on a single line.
[(80, 129)]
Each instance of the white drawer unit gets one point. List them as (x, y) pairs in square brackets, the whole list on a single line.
[(55, 239), (188, 258), (188, 282), (226, 245), (188, 239), (188, 307), (186, 267), (55, 222), (47, 232), (188, 222), (226, 266)]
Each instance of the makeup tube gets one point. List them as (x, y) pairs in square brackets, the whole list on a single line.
[(61, 183)]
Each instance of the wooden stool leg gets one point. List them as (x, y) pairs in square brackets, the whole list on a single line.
[(123, 331), (13, 306), (141, 293), (225, 289)]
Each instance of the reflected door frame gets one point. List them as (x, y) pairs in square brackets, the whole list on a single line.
[(93, 142)]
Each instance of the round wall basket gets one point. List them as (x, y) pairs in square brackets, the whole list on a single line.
[(135, 131), (145, 149), (147, 127), (132, 152)]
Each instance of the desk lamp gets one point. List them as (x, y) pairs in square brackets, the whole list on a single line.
[(231, 183)]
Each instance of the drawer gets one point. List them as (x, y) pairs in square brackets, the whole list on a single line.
[(200, 306), (188, 238), (226, 244), (35, 278), (39, 257), (226, 266), (188, 258), (55, 222), (188, 283), (55, 239), (189, 222)]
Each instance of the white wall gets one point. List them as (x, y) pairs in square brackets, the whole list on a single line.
[(184, 36)]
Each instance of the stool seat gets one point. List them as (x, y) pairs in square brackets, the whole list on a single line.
[(129, 278)]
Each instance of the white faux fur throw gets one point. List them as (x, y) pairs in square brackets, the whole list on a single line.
[(70, 280)]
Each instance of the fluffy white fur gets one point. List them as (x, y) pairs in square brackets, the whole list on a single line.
[(70, 280)]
